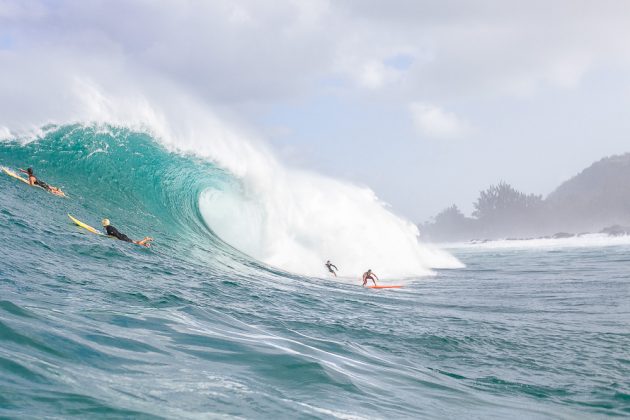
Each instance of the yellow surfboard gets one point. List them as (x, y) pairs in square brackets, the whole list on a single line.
[(85, 226), (93, 230), (14, 175)]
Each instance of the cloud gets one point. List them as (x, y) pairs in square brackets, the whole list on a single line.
[(239, 51), (239, 54), (434, 122), (376, 74), (504, 49), (14, 10)]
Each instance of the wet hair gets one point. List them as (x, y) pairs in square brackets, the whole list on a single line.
[(29, 171)]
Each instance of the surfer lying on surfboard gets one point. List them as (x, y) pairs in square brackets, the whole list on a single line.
[(33, 180), (112, 231), (368, 275)]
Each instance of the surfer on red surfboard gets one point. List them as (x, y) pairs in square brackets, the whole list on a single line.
[(368, 275)]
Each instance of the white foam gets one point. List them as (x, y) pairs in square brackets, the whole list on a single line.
[(297, 220), (582, 241)]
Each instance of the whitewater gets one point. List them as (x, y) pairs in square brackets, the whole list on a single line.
[(231, 313)]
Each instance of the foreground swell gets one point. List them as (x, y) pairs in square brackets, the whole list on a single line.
[(91, 327)]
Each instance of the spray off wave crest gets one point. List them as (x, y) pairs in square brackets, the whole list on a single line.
[(286, 218)]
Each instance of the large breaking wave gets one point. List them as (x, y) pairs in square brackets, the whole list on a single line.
[(194, 207)]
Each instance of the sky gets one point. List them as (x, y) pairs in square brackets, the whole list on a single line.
[(425, 102)]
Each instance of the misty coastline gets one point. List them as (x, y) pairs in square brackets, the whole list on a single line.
[(595, 201)]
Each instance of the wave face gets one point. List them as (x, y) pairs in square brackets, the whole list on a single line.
[(197, 327), (125, 176)]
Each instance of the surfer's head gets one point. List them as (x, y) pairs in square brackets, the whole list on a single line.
[(29, 171), (105, 222)]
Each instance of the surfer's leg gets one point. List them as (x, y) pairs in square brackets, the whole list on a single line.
[(145, 241)]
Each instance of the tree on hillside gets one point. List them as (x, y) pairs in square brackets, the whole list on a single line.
[(450, 216), (449, 225), (502, 210), (501, 200)]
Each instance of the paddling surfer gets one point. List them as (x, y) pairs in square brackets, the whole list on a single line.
[(33, 180), (368, 275), (112, 231), (329, 265)]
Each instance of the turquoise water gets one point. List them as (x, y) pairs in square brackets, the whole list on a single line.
[(92, 327)]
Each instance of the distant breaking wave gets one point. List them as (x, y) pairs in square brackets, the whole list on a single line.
[(586, 240)]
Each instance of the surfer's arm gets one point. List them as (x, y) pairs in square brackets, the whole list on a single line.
[(334, 266), (30, 179)]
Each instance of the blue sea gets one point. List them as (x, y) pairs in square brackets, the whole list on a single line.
[(192, 327)]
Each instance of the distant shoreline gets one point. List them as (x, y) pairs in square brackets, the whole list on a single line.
[(598, 196)]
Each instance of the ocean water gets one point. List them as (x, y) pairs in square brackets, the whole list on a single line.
[(194, 328)]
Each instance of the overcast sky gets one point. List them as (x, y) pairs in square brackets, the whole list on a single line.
[(426, 102)]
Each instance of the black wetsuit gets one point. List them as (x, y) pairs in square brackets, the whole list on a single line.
[(37, 181), (329, 265), (42, 184), (112, 231)]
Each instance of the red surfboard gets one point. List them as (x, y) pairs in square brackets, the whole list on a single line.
[(384, 287)]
